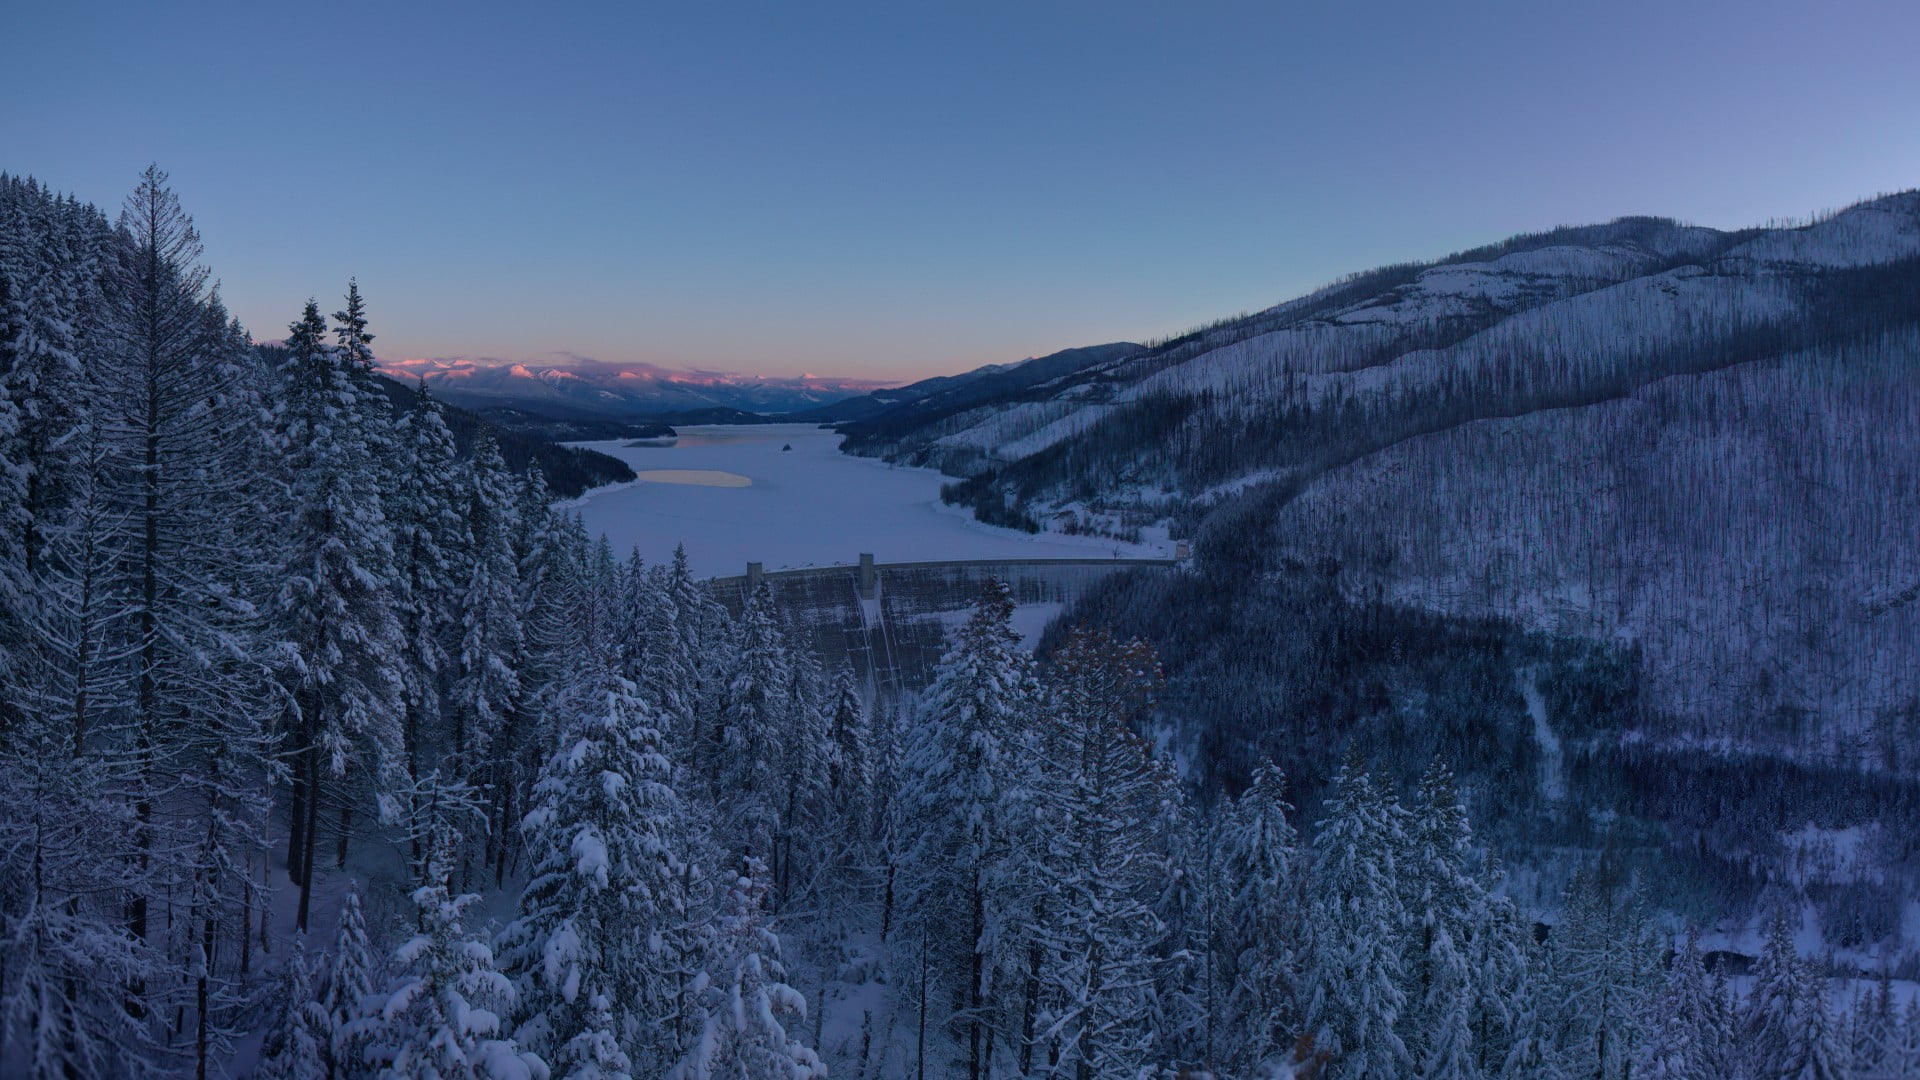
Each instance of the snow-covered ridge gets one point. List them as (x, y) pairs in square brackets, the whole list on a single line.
[(1600, 301)]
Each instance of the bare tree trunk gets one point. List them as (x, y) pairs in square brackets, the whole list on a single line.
[(200, 995), (975, 992), (920, 1055), (346, 825), (1034, 954), (246, 921), (312, 824), (297, 817)]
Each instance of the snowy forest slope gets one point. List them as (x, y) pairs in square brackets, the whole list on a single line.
[(1690, 450), (1690, 397)]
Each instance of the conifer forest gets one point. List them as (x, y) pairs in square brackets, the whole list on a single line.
[(1496, 666)]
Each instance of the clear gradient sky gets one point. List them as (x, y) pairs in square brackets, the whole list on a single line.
[(902, 189)]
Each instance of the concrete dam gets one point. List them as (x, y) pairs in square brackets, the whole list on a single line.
[(889, 620)]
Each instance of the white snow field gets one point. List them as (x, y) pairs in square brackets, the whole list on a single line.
[(733, 495)]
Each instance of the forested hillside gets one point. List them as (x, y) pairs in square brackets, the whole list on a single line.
[(1651, 485), (329, 751)]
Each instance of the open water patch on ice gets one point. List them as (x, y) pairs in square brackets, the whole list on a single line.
[(696, 477)]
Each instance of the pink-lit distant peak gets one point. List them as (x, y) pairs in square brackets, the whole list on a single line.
[(436, 368)]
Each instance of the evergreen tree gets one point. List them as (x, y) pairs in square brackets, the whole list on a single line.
[(1677, 1046), (69, 955), (341, 643), (555, 603), (1532, 1053), (1774, 1005), (707, 641), (1353, 968), (744, 1007), (295, 1047), (1905, 1055), (132, 696), (850, 767), (179, 421), (803, 845), (429, 543), (1095, 830), (486, 692), (1260, 921), (1497, 963), (1444, 900), (1817, 1052), (350, 980), (658, 658), (441, 1018), (1607, 968), (601, 943), (747, 759), (1874, 1025), (961, 768)]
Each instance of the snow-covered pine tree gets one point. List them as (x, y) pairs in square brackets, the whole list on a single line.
[(653, 652), (1183, 902), (805, 840), (442, 1016), (1607, 964), (1683, 1042), (340, 658), (1904, 1057), (639, 588), (746, 755), (429, 546), (1771, 1013), (1816, 1049), (555, 595), (64, 872), (1443, 898), (349, 983), (1874, 1024), (708, 642), (179, 423), (850, 769), (486, 692), (602, 943), (1533, 1053), (295, 1046), (552, 549), (70, 844), (16, 269), (355, 347), (1497, 961), (962, 766), (53, 254), (1259, 923), (599, 599), (1100, 806), (1353, 967), (744, 1008), (1446, 1047)]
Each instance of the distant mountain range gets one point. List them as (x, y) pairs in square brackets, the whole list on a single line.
[(582, 400), (596, 390)]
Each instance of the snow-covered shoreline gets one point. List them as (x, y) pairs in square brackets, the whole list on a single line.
[(810, 505)]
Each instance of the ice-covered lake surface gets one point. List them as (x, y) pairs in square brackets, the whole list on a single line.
[(735, 495)]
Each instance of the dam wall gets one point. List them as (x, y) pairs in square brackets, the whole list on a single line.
[(889, 621)]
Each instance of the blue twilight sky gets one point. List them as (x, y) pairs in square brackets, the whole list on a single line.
[(901, 189)]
